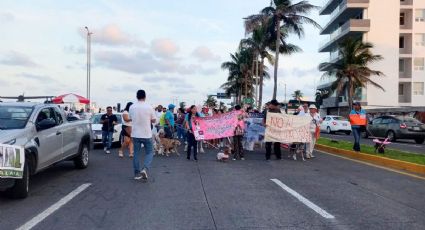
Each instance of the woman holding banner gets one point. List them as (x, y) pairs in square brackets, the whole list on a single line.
[(272, 107), (358, 121), (314, 129)]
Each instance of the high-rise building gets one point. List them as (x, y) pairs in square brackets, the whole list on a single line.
[(396, 28)]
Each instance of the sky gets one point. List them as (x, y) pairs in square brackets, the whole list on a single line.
[(171, 49)]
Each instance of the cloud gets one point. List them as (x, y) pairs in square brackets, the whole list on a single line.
[(112, 35), (40, 78), (143, 63), (6, 17), (164, 48), (14, 58), (74, 50), (203, 53)]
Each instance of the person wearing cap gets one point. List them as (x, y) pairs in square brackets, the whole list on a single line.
[(314, 130), (273, 107), (169, 121), (358, 112)]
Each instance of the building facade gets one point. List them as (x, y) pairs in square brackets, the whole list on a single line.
[(396, 28)]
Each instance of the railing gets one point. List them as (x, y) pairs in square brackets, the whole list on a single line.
[(363, 23), (406, 2)]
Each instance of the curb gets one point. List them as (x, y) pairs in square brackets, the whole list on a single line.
[(377, 160)]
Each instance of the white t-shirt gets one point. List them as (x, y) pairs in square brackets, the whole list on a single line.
[(124, 122), (315, 121), (141, 115)]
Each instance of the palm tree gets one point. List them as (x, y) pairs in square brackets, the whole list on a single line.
[(293, 18), (211, 101), (239, 68), (297, 95), (352, 71)]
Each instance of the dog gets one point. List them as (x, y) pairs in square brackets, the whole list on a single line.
[(296, 149), (225, 155), (168, 146), (157, 141)]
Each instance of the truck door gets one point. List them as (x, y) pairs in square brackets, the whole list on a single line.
[(69, 134), (48, 138)]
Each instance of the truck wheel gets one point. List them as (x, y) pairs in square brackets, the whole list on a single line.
[(21, 188), (82, 160)]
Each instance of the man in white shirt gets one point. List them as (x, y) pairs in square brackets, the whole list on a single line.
[(142, 116)]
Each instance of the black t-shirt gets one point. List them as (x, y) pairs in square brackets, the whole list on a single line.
[(270, 111), (108, 126)]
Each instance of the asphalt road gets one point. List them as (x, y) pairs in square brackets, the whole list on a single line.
[(183, 194), (404, 145)]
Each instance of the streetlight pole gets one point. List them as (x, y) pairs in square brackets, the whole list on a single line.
[(88, 64)]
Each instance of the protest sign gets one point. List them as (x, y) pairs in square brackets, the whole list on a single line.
[(254, 130), (217, 126), (12, 160), (287, 128)]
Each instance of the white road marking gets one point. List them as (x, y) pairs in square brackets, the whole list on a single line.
[(40, 217), (303, 200)]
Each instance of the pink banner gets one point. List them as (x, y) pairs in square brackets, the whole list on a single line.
[(217, 126)]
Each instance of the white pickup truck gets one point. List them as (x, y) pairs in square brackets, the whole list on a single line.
[(46, 136)]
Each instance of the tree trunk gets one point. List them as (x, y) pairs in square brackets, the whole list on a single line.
[(252, 72), (246, 85), (276, 63), (350, 95), (260, 96)]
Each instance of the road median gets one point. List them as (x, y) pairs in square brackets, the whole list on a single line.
[(386, 161)]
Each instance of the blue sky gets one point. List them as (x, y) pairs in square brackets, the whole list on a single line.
[(172, 49)]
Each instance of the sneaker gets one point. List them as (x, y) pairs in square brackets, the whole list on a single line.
[(294, 157), (131, 155), (144, 174), (234, 159), (185, 148), (120, 154), (202, 150), (242, 158), (138, 176), (108, 152), (105, 149)]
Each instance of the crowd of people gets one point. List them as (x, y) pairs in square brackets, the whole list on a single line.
[(142, 122)]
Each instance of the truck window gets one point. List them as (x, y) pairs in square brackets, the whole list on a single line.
[(58, 116), (46, 113)]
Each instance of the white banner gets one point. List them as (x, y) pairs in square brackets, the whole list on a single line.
[(287, 128), (12, 160)]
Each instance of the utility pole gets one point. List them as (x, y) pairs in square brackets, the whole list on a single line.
[(88, 65)]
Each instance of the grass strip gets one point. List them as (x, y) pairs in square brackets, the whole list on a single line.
[(369, 149)]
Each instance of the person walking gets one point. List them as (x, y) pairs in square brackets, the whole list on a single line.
[(358, 122), (191, 141), (142, 116), (314, 130), (273, 107), (179, 124), (169, 122), (108, 120), (127, 142)]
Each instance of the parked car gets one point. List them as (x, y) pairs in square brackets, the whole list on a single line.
[(332, 124), (47, 138), (396, 127), (97, 129)]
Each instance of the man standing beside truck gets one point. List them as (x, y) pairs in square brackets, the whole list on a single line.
[(108, 120)]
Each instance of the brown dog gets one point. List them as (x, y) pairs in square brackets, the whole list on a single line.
[(168, 146)]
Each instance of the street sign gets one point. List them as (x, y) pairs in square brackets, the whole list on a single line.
[(223, 96), (248, 100)]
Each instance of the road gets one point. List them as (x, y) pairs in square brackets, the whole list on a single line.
[(404, 145), (183, 194)]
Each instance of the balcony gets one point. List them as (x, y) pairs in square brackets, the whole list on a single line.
[(350, 28), (406, 4), (405, 70), (406, 20), (333, 4)]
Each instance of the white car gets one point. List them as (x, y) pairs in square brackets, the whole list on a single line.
[(332, 124), (97, 129)]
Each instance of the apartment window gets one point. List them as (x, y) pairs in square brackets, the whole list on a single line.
[(420, 15), (401, 42), (418, 88), (401, 65), (420, 39), (400, 89), (402, 17), (419, 63)]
